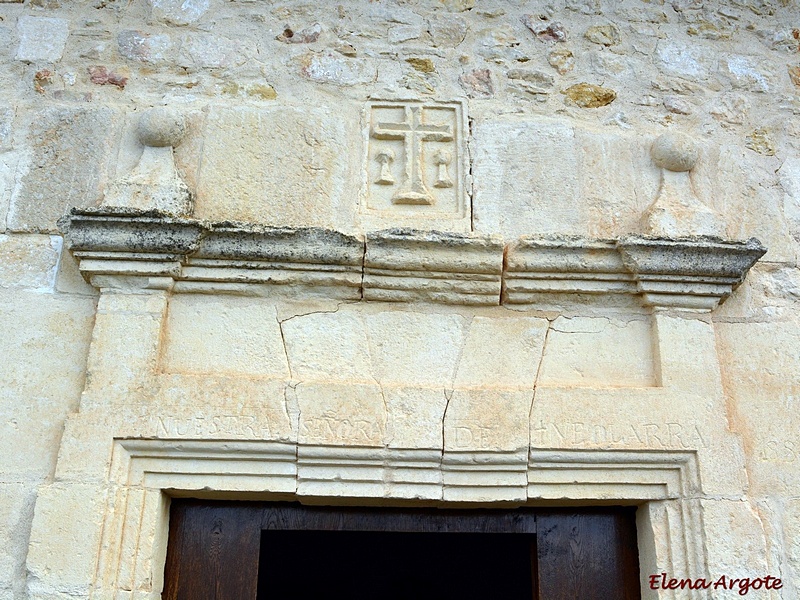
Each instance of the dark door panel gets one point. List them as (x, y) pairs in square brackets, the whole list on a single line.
[(276, 551)]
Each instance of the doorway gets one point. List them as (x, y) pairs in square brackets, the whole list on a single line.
[(277, 551)]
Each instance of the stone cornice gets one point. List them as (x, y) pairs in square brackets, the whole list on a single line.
[(148, 249)]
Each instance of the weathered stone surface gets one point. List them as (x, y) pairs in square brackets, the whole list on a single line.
[(144, 47), (247, 334), (478, 83), (724, 519), (447, 31), (29, 261), (688, 61), (450, 268), (605, 35), (530, 81), (587, 95), (415, 416), (525, 198), (7, 114), (414, 348), (485, 420), (544, 30), (403, 33), (308, 35), (791, 531), (46, 367), (331, 346), (561, 59), (744, 74), (759, 396), (126, 343), (208, 51), (16, 509), (41, 39), (583, 352), (352, 415), (261, 186), (760, 141), (76, 142), (56, 566), (501, 352), (337, 69), (179, 12)]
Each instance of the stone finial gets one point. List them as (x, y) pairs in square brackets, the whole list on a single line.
[(160, 127), (155, 183), (677, 212), (675, 152)]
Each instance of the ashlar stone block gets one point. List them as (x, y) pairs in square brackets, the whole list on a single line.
[(76, 143), (41, 39), (487, 420), (598, 351), (501, 353), (328, 346), (232, 336), (341, 414), (244, 174), (16, 509), (411, 348), (415, 164), (538, 195), (415, 416), (29, 261), (41, 376), (735, 538), (62, 552)]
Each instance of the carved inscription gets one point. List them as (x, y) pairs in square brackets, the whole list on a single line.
[(332, 428), (472, 434), (216, 426), (668, 436), (781, 452), (414, 157)]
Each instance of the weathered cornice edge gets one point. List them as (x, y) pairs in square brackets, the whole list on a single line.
[(405, 265), (129, 248)]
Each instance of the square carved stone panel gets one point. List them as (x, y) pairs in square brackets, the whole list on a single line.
[(414, 165)]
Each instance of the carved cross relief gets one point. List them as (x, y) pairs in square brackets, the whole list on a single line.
[(414, 158)]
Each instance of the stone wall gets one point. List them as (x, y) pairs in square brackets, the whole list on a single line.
[(551, 109)]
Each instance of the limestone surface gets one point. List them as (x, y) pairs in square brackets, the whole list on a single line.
[(415, 253)]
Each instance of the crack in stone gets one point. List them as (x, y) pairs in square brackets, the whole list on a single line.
[(285, 349), (536, 379), (447, 398), (317, 312), (457, 363)]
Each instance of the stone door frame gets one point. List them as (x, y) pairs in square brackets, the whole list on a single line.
[(146, 474)]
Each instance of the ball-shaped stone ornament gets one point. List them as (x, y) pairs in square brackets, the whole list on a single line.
[(160, 127), (674, 151)]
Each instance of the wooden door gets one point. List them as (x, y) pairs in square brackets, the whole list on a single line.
[(274, 551)]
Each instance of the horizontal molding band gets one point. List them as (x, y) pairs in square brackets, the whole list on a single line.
[(124, 248)]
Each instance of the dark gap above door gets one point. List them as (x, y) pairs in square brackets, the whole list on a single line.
[(353, 565)]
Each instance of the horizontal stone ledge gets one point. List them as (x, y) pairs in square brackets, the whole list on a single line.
[(143, 248)]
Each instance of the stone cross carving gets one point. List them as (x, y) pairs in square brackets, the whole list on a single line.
[(413, 132), (385, 158), (442, 160)]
